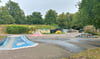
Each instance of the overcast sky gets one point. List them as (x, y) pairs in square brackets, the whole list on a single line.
[(29, 6)]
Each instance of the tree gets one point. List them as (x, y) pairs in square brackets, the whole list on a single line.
[(89, 12), (65, 20), (29, 19), (35, 18), (5, 18), (50, 17), (96, 12), (16, 12), (76, 22), (69, 19), (62, 21)]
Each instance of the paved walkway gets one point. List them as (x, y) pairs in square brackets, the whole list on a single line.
[(74, 45)]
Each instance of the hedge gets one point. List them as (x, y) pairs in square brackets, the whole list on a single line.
[(16, 29), (25, 29)]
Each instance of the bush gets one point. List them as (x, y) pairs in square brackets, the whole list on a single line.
[(21, 29), (16, 29), (90, 29)]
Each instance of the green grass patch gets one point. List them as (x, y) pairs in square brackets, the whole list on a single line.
[(89, 54)]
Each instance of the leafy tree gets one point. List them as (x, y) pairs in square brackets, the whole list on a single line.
[(62, 21), (89, 12), (5, 18), (69, 19), (50, 17), (96, 12), (35, 18), (29, 19), (16, 12), (86, 12), (76, 22)]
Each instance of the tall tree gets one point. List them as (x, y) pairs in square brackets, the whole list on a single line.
[(16, 12), (50, 17), (96, 12), (76, 22), (69, 19), (86, 11), (89, 13), (35, 18), (62, 21), (5, 17), (29, 19)]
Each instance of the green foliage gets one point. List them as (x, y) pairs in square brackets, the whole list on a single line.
[(50, 17), (16, 29), (5, 18), (22, 29), (89, 12), (35, 18), (64, 20), (96, 12), (43, 27), (2, 37), (15, 11), (90, 29)]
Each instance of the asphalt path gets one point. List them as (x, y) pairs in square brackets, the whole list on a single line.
[(74, 45), (52, 47)]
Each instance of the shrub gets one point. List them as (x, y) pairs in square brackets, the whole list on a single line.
[(90, 29), (16, 29), (21, 29)]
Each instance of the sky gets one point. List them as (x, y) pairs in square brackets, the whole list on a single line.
[(29, 6)]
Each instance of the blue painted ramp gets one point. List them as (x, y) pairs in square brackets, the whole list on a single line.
[(16, 42)]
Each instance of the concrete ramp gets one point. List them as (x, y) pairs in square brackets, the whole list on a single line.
[(10, 43), (16, 42)]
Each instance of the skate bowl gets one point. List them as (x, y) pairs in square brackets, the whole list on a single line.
[(16, 42)]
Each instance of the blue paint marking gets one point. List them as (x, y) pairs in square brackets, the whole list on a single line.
[(6, 41), (19, 42), (23, 40), (1, 43)]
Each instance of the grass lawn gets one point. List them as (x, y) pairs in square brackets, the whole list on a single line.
[(89, 54)]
